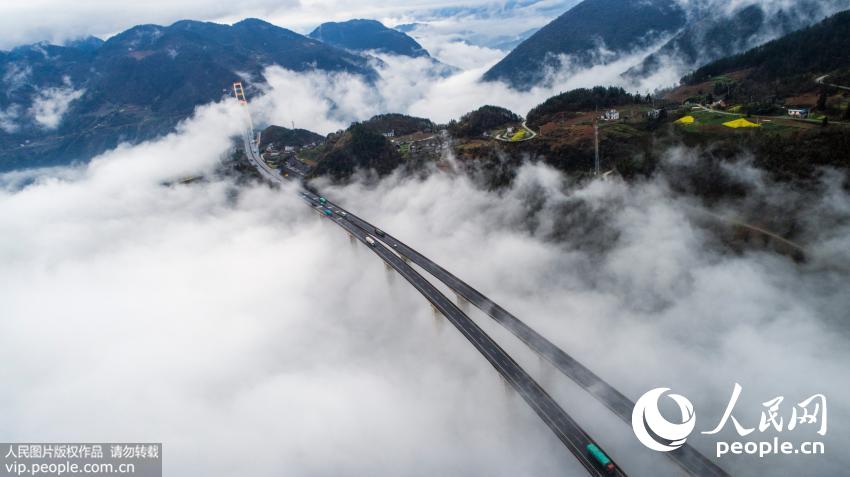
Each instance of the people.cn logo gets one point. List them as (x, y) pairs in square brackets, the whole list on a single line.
[(656, 432)]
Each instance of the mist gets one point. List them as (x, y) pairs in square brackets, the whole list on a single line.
[(325, 102), (249, 336), (631, 280), (58, 21)]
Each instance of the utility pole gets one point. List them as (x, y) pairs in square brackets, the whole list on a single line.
[(596, 146)]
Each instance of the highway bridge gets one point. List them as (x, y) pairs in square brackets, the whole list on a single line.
[(686, 456), (565, 428), (396, 253), (574, 438)]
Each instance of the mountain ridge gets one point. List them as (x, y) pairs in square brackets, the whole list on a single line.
[(140, 83), (710, 36), (618, 26), (368, 35)]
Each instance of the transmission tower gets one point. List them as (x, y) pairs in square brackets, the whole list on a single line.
[(596, 146)]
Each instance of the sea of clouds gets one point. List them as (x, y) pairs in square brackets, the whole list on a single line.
[(249, 336), (326, 101)]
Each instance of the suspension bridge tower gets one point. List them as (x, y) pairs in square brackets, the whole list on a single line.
[(239, 93)]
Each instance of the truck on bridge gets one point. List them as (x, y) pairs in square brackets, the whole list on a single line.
[(600, 457)]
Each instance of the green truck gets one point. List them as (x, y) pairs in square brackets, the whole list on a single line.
[(600, 457)]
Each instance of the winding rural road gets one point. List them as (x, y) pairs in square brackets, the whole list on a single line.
[(821, 79), (527, 138)]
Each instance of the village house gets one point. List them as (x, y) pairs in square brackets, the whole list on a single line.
[(611, 115), (653, 114), (800, 113)]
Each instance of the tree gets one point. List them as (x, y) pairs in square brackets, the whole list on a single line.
[(825, 122), (718, 88), (822, 101)]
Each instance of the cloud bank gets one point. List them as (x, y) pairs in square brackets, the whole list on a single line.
[(225, 320), (325, 102), (57, 21), (51, 104)]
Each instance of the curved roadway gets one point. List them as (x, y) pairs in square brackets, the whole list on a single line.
[(564, 427), (686, 457)]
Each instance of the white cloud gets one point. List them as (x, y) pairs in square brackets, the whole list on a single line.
[(16, 75), (326, 102), (58, 20), (49, 105), (316, 101), (486, 26), (227, 322), (8, 119), (223, 321), (626, 279), (459, 53)]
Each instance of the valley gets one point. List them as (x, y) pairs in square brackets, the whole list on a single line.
[(248, 228)]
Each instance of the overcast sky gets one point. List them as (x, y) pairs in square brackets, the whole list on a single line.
[(58, 20)]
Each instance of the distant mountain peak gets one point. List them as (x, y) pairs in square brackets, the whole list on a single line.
[(255, 23), (672, 35), (620, 26), (89, 43), (712, 34), (365, 35), (141, 82)]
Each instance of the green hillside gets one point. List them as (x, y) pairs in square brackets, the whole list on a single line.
[(821, 48)]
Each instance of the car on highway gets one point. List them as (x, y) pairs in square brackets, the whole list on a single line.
[(327, 211), (370, 241), (322, 200), (379, 232)]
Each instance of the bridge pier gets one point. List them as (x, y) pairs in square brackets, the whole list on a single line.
[(509, 390), (546, 369), (352, 239), (390, 274), (438, 318), (461, 303)]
